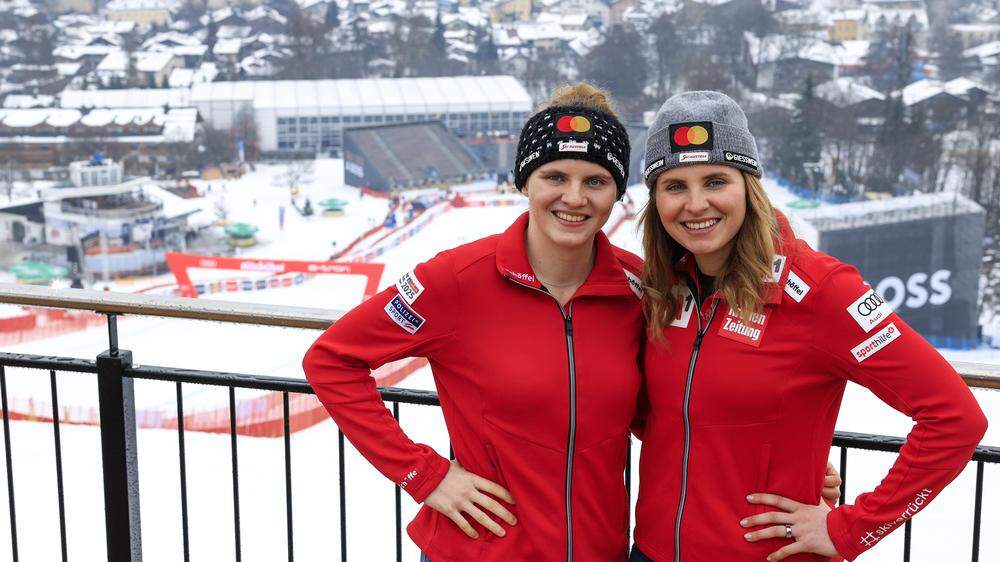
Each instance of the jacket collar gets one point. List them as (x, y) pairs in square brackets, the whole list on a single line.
[(605, 279), (774, 287)]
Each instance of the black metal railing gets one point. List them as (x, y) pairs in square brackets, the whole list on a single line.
[(116, 373)]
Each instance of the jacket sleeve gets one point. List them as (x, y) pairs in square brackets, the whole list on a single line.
[(382, 329), (862, 340)]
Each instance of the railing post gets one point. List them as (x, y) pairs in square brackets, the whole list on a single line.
[(118, 450)]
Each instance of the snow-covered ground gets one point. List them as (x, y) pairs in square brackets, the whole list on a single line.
[(942, 532)]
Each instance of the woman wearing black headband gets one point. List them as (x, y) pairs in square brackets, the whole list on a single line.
[(533, 336)]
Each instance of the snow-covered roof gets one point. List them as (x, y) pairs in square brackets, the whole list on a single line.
[(167, 37), (962, 86), (926, 89), (775, 47), (123, 116), (369, 96), (130, 97), (74, 52), (264, 12), (24, 101), (114, 61), (888, 211), (54, 117), (985, 50), (843, 92), (228, 46), (180, 78), (146, 61), (129, 5)]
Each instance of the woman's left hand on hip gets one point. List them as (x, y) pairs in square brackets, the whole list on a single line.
[(802, 522)]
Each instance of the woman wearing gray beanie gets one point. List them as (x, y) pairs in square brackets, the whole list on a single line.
[(753, 336)]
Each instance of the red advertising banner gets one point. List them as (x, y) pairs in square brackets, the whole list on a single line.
[(180, 264)]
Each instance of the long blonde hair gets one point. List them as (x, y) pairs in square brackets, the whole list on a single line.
[(743, 276)]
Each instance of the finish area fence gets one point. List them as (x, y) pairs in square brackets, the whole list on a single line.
[(115, 373)]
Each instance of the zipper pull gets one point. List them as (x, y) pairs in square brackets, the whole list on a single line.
[(569, 324)]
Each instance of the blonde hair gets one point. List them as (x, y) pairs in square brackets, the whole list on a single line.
[(581, 94), (743, 276)]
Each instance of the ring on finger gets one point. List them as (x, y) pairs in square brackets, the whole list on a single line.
[(788, 531)]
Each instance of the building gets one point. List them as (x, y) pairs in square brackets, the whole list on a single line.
[(311, 115), (141, 12), (43, 140), (511, 10), (114, 226), (387, 157)]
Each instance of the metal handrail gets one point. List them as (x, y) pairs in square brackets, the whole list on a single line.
[(976, 375)]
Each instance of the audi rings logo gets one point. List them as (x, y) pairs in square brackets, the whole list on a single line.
[(870, 304), (869, 310)]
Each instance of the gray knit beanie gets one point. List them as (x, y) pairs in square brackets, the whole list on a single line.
[(699, 127)]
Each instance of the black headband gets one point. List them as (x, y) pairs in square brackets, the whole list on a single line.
[(559, 132)]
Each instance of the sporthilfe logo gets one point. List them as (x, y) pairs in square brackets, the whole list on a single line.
[(693, 157), (876, 343)]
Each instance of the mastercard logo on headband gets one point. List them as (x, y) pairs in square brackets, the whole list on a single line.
[(686, 137), (573, 125)]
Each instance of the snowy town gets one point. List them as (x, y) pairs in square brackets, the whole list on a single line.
[(208, 184)]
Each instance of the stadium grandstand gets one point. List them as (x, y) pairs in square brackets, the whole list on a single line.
[(310, 116), (387, 157)]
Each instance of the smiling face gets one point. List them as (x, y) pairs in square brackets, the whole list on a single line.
[(569, 201), (702, 207)]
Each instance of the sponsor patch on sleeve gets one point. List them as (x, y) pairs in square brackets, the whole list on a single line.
[(401, 314), (683, 315), (869, 310), (796, 287), (409, 287), (876, 343), (635, 284)]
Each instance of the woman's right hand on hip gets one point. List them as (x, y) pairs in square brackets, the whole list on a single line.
[(463, 493)]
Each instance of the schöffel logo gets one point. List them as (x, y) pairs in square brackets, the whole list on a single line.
[(401, 314), (869, 310), (526, 277), (741, 158), (573, 125), (528, 159), (685, 137), (617, 163), (653, 167)]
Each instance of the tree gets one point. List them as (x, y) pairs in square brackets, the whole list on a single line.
[(437, 56), (211, 38), (618, 64), (801, 147), (332, 19), (487, 57), (666, 47)]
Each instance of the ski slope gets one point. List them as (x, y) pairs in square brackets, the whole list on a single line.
[(276, 351)]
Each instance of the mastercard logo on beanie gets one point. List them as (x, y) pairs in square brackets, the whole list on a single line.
[(573, 125), (685, 137)]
